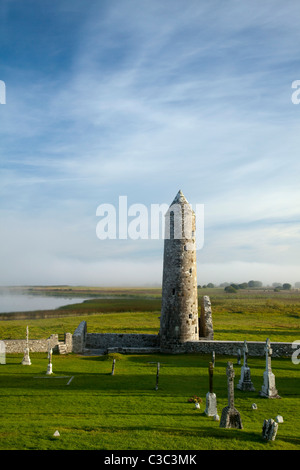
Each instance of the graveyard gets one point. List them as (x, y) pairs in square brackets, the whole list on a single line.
[(126, 402), (125, 411)]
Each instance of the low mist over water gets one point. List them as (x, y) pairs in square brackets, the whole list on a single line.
[(25, 303)]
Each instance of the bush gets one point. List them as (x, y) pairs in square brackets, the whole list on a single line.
[(286, 286), (230, 290)]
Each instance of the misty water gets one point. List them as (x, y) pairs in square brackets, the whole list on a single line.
[(26, 302)]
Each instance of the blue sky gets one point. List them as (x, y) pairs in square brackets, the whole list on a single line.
[(142, 98)]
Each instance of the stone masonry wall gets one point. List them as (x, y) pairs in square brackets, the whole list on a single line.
[(132, 342), (230, 348), (79, 338), (118, 340), (37, 345)]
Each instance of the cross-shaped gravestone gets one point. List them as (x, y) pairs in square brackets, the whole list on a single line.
[(230, 416), (268, 389), (245, 382), (230, 383), (211, 400)]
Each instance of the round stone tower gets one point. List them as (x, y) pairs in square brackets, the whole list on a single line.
[(179, 312)]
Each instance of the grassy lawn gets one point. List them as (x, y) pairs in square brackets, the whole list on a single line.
[(100, 411), (251, 315)]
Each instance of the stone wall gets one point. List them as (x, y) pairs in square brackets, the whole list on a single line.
[(230, 348), (142, 343), (37, 345), (79, 338), (135, 343), (107, 341)]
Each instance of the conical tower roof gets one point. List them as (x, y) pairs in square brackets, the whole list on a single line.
[(180, 198)]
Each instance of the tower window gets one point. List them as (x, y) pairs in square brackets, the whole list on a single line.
[(173, 291)]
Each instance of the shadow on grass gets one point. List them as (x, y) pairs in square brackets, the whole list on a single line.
[(264, 333)]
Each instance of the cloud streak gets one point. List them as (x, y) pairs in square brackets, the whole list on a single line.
[(143, 102)]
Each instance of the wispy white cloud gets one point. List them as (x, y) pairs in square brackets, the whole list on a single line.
[(172, 95)]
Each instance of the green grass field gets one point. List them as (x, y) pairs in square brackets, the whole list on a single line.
[(252, 315), (100, 411)]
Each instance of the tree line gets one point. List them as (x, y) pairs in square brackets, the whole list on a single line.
[(234, 287)]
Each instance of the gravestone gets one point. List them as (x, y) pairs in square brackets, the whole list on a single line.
[(113, 367), (268, 389), (2, 352), (206, 329), (26, 358), (269, 429), (49, 367), (157, 375), (239, 357), (230, 417), (245, 382), (211, 399)]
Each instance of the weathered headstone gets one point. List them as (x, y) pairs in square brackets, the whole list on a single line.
[(2, 352), (206, 329), (245, 382), (49, 367), (26, 358), (157, 376), (269, 429), (230, 417), (239, 357), (211, 399), (113, 367), (268, 389)]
